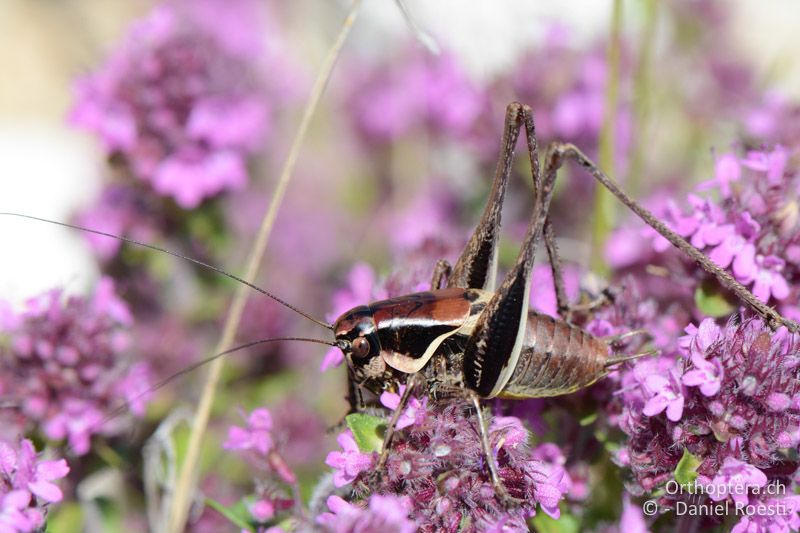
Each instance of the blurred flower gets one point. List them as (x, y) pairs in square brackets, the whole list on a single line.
[(383, 513), (632, 520), (413, 92), (63, 366), (773, 119), (770, 514), (181, 102), (26, 486), (255, 443), (256, 436), (121, 210), (734, 478), (565, 86), (543, 292)]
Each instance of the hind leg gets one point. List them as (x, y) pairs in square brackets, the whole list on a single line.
[(557, 153)]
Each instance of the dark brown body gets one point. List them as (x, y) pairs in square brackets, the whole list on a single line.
[(428, 331)]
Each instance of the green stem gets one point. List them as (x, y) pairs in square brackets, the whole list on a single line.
[(603, 217), (641, 97)]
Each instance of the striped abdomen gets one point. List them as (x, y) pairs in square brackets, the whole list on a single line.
[(557, 358)]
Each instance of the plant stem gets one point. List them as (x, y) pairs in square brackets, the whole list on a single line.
[(603, 217), (187, 478), (642, 97)]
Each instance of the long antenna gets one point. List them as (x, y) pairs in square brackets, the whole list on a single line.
[(175, 254), (194, 366)]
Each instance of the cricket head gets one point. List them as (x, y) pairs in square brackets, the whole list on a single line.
[(357, 336)]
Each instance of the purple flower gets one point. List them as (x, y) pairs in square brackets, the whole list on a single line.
[(383, 513), (509, 431), (570, 106), (699, 339), (771, 514), (26, 486), (773, 163), (543, 293), (734, 478), (179, 104), (120, 210), (257, 445), (767, 278), (752, 230), (69, 373), (665, 393), (726, 171), (332, 358), (76, 421), (705, 374), (350, 462), (256, 436), (415, 92), (262, 510), (632, 519), (773, 120), (415, 407)]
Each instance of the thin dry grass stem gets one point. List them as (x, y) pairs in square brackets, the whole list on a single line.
[(604, 204), (422, 36), (187, 478)]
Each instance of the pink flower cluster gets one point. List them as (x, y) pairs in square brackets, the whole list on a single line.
[(437, 462), (63, 368), (730, 399), (751, 230), (181, 103), (413, 92)]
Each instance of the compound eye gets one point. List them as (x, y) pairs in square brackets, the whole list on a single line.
[(361, 347)]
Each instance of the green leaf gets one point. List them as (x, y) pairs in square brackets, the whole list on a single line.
[(588, 419), (566, 523), (236, 513), (367, 430), (712, 301), (686, 471)]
